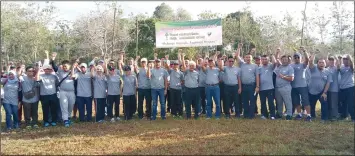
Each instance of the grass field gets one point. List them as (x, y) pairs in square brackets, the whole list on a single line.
[(185, 137)]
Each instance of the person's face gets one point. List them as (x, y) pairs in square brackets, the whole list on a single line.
[(128, 72), (253, 50), (247, 58), (157, 64), (331, 62), (296, 59), (176, 66), (11, 76), (321, 64), (66, 67), (211, 63), (83, 69), (47, 71), (186, 62), (30, 72), (191, 67), (264, 60), (284, 61), (346, 61), (278, 50), (143, 64), (111, 64), (200, 61), (257, 61), (230, 62), (112, 72)]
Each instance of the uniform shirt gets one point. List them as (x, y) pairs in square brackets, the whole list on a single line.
[(27, 84), (84, 84), (347, 77), (248, 72), (143, 80), (11, 92), (284, 70), (266, 72), (175, 79), (158, 77), (129, 85), (48, 84), (68, 83), (318, 80), (191, 79), (113, 84), (212, 76), (230, 75), (300, 75), (100, 86), (334, 86), (201, 77)]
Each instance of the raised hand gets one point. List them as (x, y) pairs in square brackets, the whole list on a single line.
[(54, 55), (240, 45), (155, 54), (167, 57)]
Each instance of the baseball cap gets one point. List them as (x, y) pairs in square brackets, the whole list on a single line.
[(101, 61), (83, 65), (157, 60), (175, 62), (47, 66), (144, 60), (127, 68), (297, 54)]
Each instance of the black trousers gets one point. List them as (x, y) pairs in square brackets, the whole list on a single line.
[(50, 103), (110, 100), (31, 111), (167, 101), (147, 95), (129, 101), (175, 100), (203, 99)]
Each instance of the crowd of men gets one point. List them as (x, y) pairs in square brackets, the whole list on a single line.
[(231, 84)]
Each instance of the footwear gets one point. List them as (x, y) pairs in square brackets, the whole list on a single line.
[(288, 117), (46, 124), (323, 121), (263, 117), (272, 118), (54, 124), (278, 116), (66, 123), (208, 118), (28, 127), (35, 126), (217, 118), (118, 118), (308, 119), (163, 118), (227, 117), (298, 117), (112, 120)]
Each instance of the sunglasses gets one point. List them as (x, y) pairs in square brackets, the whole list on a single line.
[(296, 57), (231, 61)]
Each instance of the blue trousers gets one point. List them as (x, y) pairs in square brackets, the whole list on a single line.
[(347, 100), (11, 112), (155, 94), (213, 91)]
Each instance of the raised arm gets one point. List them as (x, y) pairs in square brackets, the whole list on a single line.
[(306, 58), (220, 65), (155, 56), (75, 65), (339, 62), (311, 61), (92, 71), (149, 74), (237, 53), (183, 67), (350, 59), (179, 56), (52, 62)]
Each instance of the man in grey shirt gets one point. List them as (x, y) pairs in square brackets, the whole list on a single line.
[(176, 79), (285, 74), (299, 84), (84, 93), (159, 84), (266, 87), (333, 90), (346, 85), (202, 84), (144, 91)]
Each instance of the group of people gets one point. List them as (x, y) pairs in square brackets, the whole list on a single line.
[(296, 83)]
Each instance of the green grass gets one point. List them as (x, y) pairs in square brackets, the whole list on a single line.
[(185, 137)]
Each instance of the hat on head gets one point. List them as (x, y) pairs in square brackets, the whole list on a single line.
[(144, 60), (297, 54), (257, 58), (175, 62), (47, 66), (101, 61), (157, 60), (83, 65), (127, 68)]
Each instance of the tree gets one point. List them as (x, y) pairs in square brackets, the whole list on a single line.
[(164, 12), (182, 15)]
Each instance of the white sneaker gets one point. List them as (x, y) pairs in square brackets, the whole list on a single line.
[(263, 117), (112, 119), (272, 118), (118, 118)]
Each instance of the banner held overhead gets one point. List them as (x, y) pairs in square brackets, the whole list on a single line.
[(188, 33)]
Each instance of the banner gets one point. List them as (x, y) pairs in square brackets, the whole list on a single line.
[(188, 33)]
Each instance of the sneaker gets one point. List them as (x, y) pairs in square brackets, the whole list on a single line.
[(217, 118), (46, 124), (112, 120), (118, 118), (208, 118), (66, 123), (288, 117), (28, 127), (308, 119), (298, 117), (35, 126), (263, 117), (54, 124), (163, 118), (100, 121), (278, 116), (272, 118)]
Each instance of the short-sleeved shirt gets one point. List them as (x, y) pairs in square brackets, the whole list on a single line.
[(300, 75), (212, 76), (334, 86), (175, 79), (113, 84), (347, 77), (48, 84), (84, 84), (100, 86), (230, 75), (191, 79), (266, 73), (11, 93), (158, 77), (201, 77), (68, 83), (143, 80), (319, 78), (129, 85), (284, 70), (248, 72), (27, 85)]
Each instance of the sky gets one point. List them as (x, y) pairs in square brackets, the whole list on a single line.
[(70, 10)]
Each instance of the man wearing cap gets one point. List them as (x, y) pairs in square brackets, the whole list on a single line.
[(212, 89), (84, 94), (144, 91), (176, 78), (250, 83), (299, 84), (202, 84), (333, 90), (48, 95), (159, 85), (258, 63)]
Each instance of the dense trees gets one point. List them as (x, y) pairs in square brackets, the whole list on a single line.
[(103, 32)]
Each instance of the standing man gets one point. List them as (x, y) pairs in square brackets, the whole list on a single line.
[(84, 94), (285, 75), (202, 84), (299, 85), (267, 87), (346, 85), (159, 84), (333, 90), (250, 83), (144, 91), (232, 86)]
